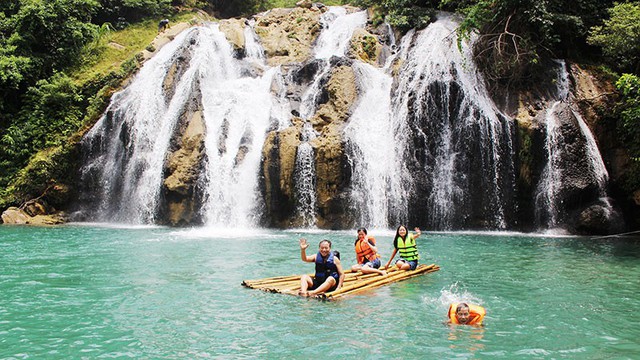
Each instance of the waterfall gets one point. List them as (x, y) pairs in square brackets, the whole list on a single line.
[(593, 154), (237, 113), (305, 177), (127, 166), (338, 28), (547, 198), (424, 144), (457, 145), (549, 207), (252, 47), (127, 146), (375, 190)]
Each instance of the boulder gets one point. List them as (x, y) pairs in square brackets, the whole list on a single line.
[(287, 35), (14, 215), (182, 170), (277, 182), (233, 30), (17, 216), (600, 219), (365, 46)]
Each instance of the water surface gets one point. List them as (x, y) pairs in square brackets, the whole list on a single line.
[(101, 291)]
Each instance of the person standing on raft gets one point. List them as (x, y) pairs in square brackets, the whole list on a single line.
[(367, 254), (405, 243), (466, 314), (329, 275)]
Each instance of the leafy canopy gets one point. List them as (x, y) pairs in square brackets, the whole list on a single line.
[(619, 36)]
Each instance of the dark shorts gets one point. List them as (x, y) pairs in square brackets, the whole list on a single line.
[(374, 264), (413, 263), (319, 281)]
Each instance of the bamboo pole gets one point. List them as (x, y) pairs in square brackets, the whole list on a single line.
[(373, 283), (331, 296), (386, 279), (283, 280)]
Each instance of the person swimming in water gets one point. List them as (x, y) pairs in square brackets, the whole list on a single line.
[(466, 314)]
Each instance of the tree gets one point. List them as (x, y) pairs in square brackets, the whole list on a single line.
[(517, 36), (403, 14), (619, 37)]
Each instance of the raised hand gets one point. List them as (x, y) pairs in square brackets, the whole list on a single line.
[(303, 244)]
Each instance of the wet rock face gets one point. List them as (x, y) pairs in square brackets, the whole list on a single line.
[(183, 167), (233, 30), (287, 35), (277, 181), (280, 150)]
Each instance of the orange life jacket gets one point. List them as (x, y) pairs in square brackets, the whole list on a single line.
[(476, 314), (364, 250)]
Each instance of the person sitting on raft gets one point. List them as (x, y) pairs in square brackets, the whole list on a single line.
[(466, 314), (329, 275), (367, 254), (405, 243)]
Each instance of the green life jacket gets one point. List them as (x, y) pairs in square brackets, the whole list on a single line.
[(408, 249)]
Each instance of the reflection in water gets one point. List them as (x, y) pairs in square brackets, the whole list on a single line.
[(466, 337)]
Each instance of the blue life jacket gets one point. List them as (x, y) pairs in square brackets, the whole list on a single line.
[(327, 268)]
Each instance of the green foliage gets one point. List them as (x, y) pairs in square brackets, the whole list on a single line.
[(629, 87), (516, 36), (369, 44), (51, 33), (53, 110), (45, 168), (619, 36), (629, 127), (121, 13), (11, 65), (402, 14)]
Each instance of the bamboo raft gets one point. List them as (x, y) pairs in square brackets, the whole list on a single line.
[(354, 282)]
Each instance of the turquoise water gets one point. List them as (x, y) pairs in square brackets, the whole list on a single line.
[(103, 292)]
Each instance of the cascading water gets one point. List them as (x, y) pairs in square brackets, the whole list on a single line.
[(593, 154), (305, 177), (252, 47), (457, 145), (127, 146), (237, 113), (128, 167), (425, 142), (549, 200), (337, 30), (549, 188), (371, 152), (338, 27)]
